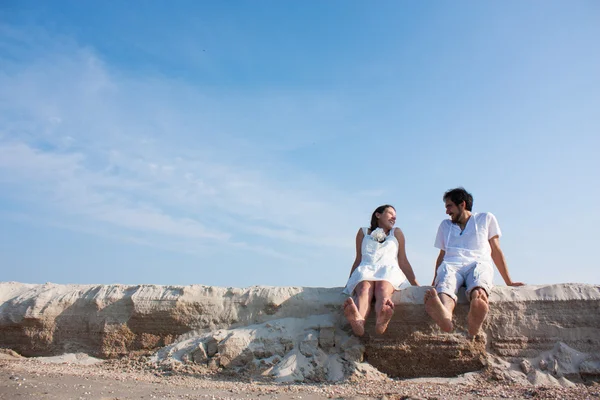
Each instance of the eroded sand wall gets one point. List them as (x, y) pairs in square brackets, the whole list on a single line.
[(113, 320)]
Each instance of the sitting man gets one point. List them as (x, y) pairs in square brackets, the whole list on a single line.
[(468, 243)]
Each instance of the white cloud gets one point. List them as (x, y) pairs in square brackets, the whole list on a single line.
[(143, 157)]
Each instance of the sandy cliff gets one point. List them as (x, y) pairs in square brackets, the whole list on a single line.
[(538, 334)]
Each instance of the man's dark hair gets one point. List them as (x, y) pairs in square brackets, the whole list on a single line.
[(459, 195)]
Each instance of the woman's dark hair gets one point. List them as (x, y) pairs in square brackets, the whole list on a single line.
[(459, 195), (378, 210)]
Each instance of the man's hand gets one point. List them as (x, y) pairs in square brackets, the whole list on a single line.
[(516, 284)]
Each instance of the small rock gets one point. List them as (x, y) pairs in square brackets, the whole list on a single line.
[(590, 368), (211, 347), (213, 363), (543, 365), (354, 354), (200, 355), (309, 345), (326, 338), (526, 367)]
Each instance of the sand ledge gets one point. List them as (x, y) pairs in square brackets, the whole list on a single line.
[(295, 334)]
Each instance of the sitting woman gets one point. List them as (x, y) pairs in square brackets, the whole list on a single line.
[(380, 268)]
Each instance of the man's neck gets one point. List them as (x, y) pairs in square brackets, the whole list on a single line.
[(464, 218)]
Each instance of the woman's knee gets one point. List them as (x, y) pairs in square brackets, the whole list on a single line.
[(363, 288), (383, 289)]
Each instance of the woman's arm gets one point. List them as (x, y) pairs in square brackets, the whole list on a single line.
[(438, 262), (403, 260), (359, 238)]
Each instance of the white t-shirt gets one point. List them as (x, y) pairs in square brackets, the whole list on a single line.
[(470, 245)]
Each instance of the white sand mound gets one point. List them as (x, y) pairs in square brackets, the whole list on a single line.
[(287, 349), (556, 367), (70, 358)]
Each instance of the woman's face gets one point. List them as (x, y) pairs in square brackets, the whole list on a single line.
[(386, 219)]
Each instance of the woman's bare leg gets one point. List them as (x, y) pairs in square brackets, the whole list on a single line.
[(363, 295), (384, 306), (356, 312)]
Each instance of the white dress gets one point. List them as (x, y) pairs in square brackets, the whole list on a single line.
[(379, 263)]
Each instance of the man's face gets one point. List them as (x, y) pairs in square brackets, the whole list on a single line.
[(454, 211)]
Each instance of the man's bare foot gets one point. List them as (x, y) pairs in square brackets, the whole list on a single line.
[(477, 312), (385, 316), (436, 310), (357, 322)]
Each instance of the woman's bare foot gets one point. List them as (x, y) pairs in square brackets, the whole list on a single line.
[(357, 322), (385, 316), (436, 310)]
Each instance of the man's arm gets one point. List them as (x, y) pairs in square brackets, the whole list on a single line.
[(438, 262), (500, 261), (403, 260), (359, 238)]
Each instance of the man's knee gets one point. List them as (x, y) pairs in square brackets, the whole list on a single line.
[(479, 293)]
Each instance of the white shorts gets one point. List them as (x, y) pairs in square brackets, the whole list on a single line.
[(450, 277)]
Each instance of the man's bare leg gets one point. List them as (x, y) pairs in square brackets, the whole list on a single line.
[(356, 313), (478, 310), (440, 308), (384, 306)]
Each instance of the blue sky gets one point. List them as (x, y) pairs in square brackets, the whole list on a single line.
[(243, 143)]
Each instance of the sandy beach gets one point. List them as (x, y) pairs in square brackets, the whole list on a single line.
[(82, 377)]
